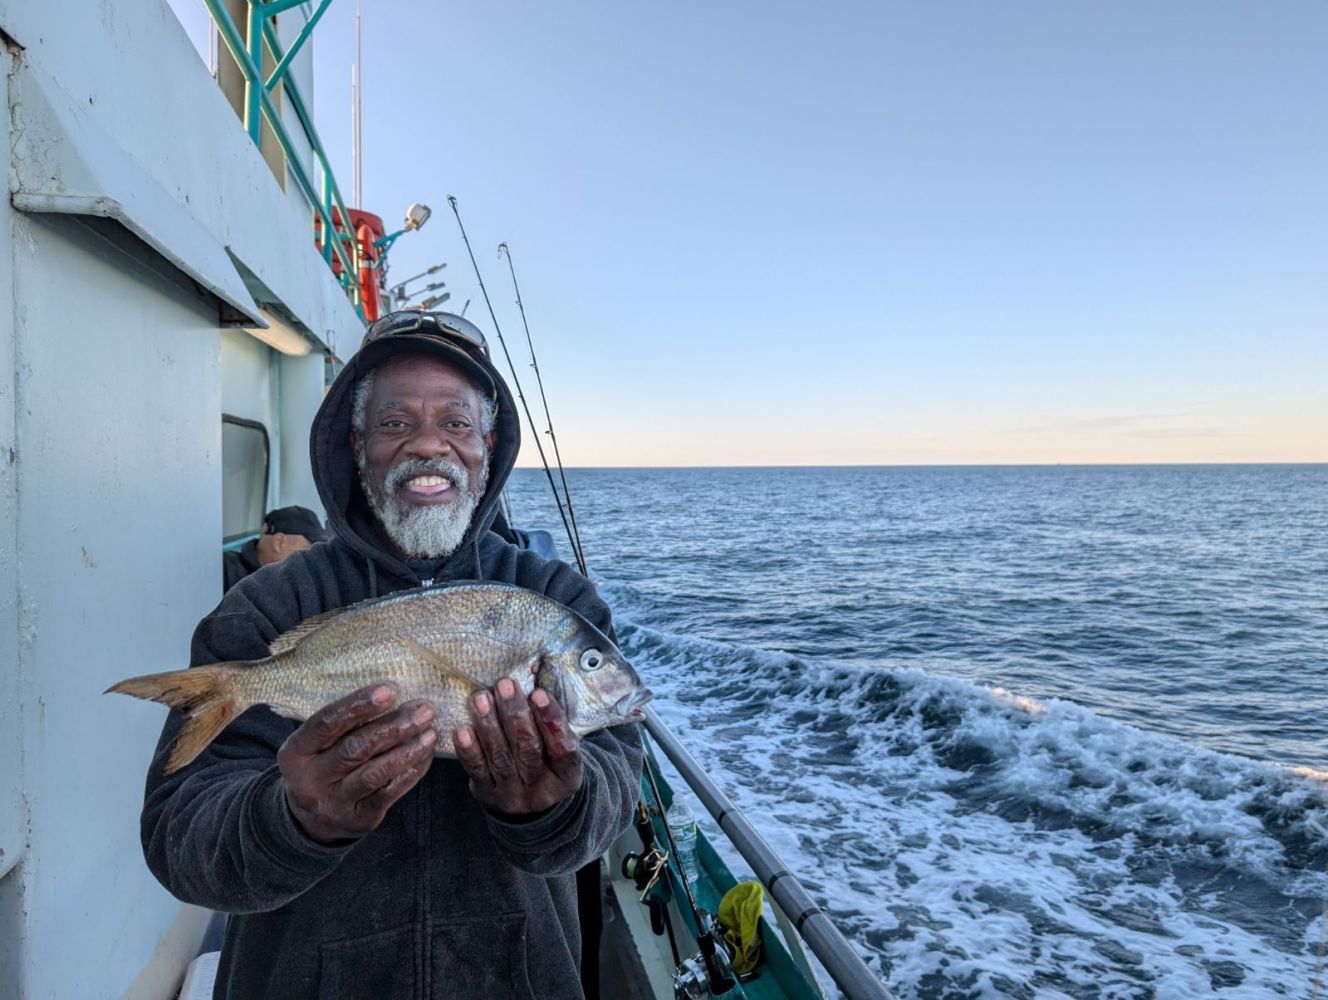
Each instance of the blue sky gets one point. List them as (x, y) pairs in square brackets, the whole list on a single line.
[(870, 233)]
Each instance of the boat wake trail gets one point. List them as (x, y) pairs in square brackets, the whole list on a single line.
[(975, 843)]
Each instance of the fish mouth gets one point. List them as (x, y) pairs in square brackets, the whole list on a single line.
[(630, 705)]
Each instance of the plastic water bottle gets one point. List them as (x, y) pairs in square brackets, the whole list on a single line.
[(683, 825)]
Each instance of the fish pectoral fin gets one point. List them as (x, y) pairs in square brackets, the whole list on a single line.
[(447, 668)]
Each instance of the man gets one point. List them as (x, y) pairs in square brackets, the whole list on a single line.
[(353, 862), (285, 530)]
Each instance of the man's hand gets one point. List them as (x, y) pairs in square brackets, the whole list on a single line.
[(348, 762), (518, 765)]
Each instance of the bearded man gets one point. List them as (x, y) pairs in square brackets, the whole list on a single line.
[(354, 863)]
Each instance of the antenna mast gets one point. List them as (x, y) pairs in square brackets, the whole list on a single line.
[(355, 114)]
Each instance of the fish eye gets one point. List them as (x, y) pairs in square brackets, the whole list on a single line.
[(592, 659)]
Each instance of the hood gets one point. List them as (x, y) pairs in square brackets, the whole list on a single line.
[(338, 479)]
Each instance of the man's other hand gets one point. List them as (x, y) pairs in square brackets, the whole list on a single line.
[(351, 760), (521, 755)]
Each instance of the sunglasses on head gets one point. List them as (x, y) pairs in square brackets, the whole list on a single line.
[(447, 327)]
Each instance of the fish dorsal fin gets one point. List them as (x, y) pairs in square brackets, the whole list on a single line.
[(288, 640), (447, 668)]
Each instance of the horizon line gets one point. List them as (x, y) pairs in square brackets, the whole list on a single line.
[(963, 465)]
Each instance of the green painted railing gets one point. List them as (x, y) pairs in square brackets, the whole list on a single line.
[(325, 199)]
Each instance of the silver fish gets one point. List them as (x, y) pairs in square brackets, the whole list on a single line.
[(441, 644)]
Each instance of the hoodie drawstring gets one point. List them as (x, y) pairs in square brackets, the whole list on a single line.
[(373, 578)]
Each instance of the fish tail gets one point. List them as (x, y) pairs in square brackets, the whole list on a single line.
[(208, 696)]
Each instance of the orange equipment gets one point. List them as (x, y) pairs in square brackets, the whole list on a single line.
[(372, 281)]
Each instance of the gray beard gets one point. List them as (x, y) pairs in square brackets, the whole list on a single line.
[(426, 532)]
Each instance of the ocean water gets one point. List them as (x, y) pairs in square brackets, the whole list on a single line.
[(1025, 732)]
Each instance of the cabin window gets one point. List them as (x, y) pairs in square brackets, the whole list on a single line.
[(245, 458)]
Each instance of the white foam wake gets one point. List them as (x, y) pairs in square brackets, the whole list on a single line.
[(975, 843)]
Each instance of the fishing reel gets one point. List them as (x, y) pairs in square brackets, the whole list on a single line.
[(644, 869), (702, 978), (690, 981)]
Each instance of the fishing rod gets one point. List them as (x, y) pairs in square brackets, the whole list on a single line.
[(516, 383), (719, 981), (503, 248), (717, 976)]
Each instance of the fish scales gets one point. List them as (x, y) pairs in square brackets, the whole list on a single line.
[(485, 633), (438, 644)]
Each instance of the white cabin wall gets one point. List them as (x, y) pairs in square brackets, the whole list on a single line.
[(281, 392), (119, 518), (247, 375), (110, 509), (129, 65), (13, 809), (301, 383), (249, 389)]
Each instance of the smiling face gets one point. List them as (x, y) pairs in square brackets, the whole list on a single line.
[(422, 453)]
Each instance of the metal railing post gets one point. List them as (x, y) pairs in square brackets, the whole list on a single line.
[(300, 39), (239, 51), (311, 133), (253, 94), (327, 213)]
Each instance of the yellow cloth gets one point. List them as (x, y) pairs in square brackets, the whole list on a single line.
[(740, 919)]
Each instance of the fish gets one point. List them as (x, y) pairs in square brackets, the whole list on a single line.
[(439, 643)]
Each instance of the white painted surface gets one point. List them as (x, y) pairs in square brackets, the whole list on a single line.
[(129, 66), (282, 393), (119, 517), (248, 372), (13, 810), (301, 393), (249, 390), (175, 951), (114, 379), (63, 162)]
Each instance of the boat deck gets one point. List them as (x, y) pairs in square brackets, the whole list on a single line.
[(622, 976)]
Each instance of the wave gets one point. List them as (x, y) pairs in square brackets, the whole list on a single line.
[(975, 842)]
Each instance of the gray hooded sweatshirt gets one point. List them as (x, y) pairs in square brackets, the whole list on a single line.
[(444, 899)]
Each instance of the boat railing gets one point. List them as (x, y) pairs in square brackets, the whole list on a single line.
[(812, 923), (337, 240)]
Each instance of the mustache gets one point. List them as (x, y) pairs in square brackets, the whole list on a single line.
[(440, 466)]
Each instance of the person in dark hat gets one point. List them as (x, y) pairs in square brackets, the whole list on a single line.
[(285, 530), (352, 861)]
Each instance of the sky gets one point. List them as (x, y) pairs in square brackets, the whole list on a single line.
[(868, 233)]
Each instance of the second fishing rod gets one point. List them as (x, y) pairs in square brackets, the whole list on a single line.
[(564, 507)]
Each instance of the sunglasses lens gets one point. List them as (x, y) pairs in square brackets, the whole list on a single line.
[(387, 325), (426, 324)]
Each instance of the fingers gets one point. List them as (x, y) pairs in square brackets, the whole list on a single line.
[(519, 761), (471, 755), (523, 738), (376, 805), (499, 765), (362, 745), (344, 790), (330, 723), (561, 745), (378, 783)]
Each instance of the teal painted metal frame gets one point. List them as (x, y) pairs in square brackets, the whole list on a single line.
[(384, 243), (783, 972), (300, 39), (248, 54)]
